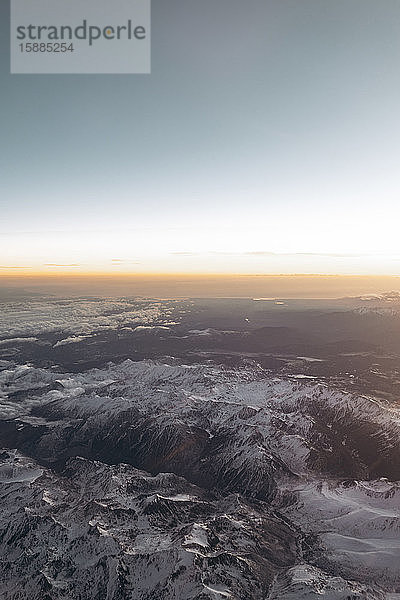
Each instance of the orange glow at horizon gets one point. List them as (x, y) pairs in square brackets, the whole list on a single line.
[(179, 285)]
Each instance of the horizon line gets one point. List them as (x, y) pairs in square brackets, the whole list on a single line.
[(10, 274)]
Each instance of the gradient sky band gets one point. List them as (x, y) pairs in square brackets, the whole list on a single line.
[(265, 127)]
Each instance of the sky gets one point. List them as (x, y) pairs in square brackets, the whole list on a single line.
[(265, 140)]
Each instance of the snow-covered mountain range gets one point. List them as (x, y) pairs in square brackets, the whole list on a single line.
[(156, 479)]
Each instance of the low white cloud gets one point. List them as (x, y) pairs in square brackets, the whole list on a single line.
[(17, 340), (72, 340), (77, 317)]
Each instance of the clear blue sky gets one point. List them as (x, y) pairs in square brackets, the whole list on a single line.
[(266, 140)]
